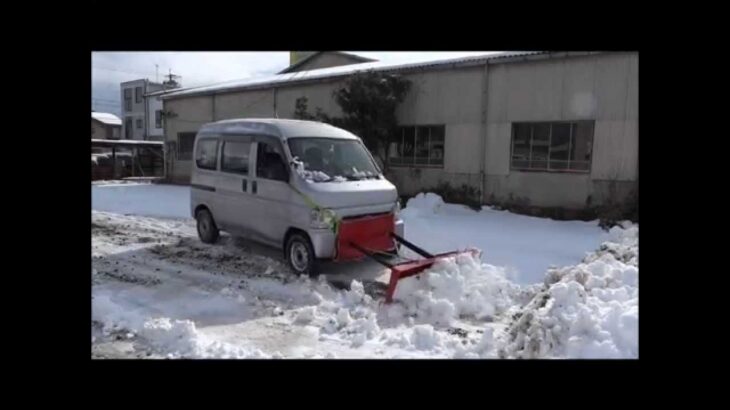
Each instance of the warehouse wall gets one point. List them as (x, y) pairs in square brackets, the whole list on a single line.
[(478, 121), (189, 114), (601, 87), (452, 98)]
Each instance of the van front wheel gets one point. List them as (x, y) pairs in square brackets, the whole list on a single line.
[(207, 229), (300, 254)]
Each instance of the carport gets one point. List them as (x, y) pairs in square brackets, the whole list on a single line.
[(112, 159)]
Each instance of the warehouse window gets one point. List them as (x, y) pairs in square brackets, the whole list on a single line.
[(552, 146), (421, 146), (138, 94), (158, 119), (206, 154), (139, 123), (185, 142)]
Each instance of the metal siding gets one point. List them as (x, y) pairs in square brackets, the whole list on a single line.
[(461, 148), (319, 95), (579, 99), (612, 75), (615, 150), (498, 148), (251, 104), (632, 103)]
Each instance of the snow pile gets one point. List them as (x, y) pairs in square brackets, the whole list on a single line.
[(425, 338), (351, 313), (423, 205), (181, 338), (590, 310), (177, 338), (456, 287), (425, 306)]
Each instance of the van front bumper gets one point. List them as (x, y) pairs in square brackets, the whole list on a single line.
[(324, 241)]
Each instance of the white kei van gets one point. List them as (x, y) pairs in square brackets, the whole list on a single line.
[(309, 188)]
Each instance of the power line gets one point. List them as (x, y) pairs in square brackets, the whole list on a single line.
[(145, 73), (105, 99)]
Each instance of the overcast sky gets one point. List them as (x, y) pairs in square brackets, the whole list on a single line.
[(202, 68)]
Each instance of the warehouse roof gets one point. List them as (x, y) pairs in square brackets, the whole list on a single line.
[(106, 118), (341, 71)]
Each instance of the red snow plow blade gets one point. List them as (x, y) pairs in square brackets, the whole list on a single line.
[(414, 267), (374, 237)]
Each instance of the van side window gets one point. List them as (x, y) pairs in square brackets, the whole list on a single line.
[(205, 157), (235, 157), (270, 163)]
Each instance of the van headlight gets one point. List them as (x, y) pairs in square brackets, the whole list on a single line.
[(322, 218)]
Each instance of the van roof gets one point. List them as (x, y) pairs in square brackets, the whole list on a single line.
[(282, 128)]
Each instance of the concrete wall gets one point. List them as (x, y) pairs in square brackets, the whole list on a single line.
[(153, 132), (327, 60), (600, 87)]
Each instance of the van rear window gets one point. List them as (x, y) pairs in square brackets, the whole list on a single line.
[(205, 156), (235, 157)]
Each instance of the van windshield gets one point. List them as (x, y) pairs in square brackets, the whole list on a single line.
[(329, 159)]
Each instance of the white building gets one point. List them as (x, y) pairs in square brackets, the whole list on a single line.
[(141, 113)]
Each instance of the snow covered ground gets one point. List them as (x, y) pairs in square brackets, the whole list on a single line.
[(157, 291)]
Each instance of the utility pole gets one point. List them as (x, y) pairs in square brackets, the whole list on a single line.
[(157, 73)]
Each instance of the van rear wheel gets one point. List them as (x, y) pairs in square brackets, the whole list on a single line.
[(207, 229), (300, 254)]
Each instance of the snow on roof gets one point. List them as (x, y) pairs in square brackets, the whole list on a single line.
[(106, 118), (331, 72), (109, 143)]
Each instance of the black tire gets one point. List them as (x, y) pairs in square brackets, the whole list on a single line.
[(299, 253), (207, 229)]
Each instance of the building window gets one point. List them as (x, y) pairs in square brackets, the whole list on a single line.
[(207, 154), (158, 119), (128, 99), (235, 157), (185, 142), (128, 128), (421, 146), (138, 94), (552, 146), (139, 123)]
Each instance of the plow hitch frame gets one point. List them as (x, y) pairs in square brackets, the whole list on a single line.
[(406, 268)]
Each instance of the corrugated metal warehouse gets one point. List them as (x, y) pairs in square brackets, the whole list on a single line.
[(542, 129)]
